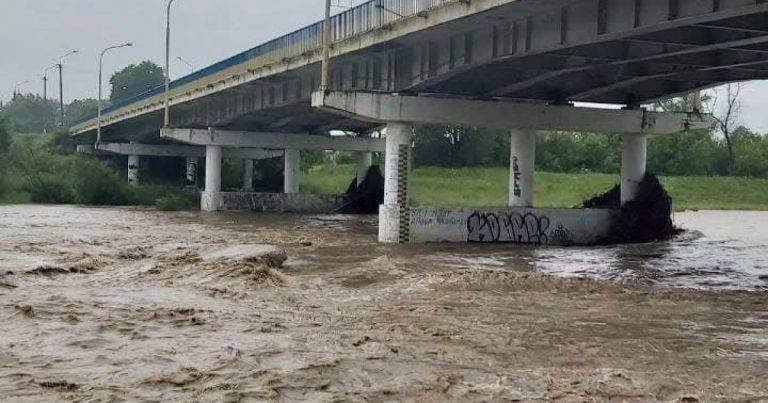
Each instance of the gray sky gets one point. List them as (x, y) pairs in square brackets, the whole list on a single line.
[(34, 33)]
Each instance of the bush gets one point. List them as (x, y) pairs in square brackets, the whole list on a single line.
[(178, 201), (93, 182)]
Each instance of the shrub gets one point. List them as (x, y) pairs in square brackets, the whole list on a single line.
[(93, 182)]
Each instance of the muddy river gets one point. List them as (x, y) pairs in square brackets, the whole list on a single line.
[(113, 304)]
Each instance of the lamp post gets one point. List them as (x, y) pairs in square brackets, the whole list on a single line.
[(167, 117), (98, 116), (325, 77), (45, 82), (191, 67), (61, 86)]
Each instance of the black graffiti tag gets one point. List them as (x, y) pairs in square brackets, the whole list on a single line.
[(508, 227)]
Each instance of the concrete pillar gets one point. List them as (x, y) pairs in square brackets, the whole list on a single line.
[(394, 216), (522, 159), (210, 200), (133, 170), (364, 162), (191, 172), (248, 175), (292, 170), (634, 152)]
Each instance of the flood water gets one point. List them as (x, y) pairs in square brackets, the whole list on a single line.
[(114, 304)]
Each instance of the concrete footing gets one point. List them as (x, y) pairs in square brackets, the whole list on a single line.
[(274, 202), (510, 225)]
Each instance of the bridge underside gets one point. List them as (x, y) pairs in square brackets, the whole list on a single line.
[(496, 56), (620, 51)]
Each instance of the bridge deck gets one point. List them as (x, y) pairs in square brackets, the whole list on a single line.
[(612, 51)]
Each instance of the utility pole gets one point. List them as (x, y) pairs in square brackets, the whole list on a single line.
[(45, 87), (61, 95), (60, 66)]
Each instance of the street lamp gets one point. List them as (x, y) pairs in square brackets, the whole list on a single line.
[(98, 116), (325, 75), (191, 67), (61, 86), (167, 118)]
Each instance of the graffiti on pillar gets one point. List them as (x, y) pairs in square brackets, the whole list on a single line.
[(191, 173), (516, 188), (514, 227)]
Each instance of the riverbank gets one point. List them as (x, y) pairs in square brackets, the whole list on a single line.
[(135, 304), (474, 187)]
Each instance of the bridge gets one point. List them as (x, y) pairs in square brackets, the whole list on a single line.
[(513, 64)]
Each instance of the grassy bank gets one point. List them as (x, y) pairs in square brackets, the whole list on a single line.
[(488, 187)]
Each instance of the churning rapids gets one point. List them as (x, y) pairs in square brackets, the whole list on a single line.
[(113, 304)]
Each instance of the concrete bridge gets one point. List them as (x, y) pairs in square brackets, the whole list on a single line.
[(512, 64)]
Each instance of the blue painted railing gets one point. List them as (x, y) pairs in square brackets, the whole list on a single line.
[(357, 20)]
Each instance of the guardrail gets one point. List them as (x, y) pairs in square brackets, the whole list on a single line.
[(357, 20)]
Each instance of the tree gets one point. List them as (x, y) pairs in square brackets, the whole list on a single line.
[(81, 109), (728, 118), (30, 113), (134, 80)]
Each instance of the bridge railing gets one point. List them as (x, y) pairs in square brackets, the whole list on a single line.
[(358, 20)]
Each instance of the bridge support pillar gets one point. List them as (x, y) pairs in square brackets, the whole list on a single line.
[(292, 170), (133, 170), (191, 172), (210, 200), (522, 159), (633, 165), (394, 216), (248, 174), (364, 162)]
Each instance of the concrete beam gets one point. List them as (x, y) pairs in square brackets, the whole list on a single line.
[(377, 107), (227, 138), (173, 150)]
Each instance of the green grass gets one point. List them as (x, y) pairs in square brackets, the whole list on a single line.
[(488, 187)]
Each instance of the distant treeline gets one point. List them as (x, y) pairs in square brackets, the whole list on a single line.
[(693, 153)]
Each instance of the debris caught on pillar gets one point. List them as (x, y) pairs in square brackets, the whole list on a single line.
[(366, 197), (647, 218)]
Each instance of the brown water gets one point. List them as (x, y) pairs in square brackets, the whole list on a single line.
[(127, 304)]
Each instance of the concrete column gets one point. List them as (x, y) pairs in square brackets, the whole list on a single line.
[(522, 159), (133, 170), (364, 162), (634, 152), (191, 172), (248, 175), (211, 196), (394, 216), (292, 170)]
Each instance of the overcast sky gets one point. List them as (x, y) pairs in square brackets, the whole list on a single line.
[(35, 33)]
